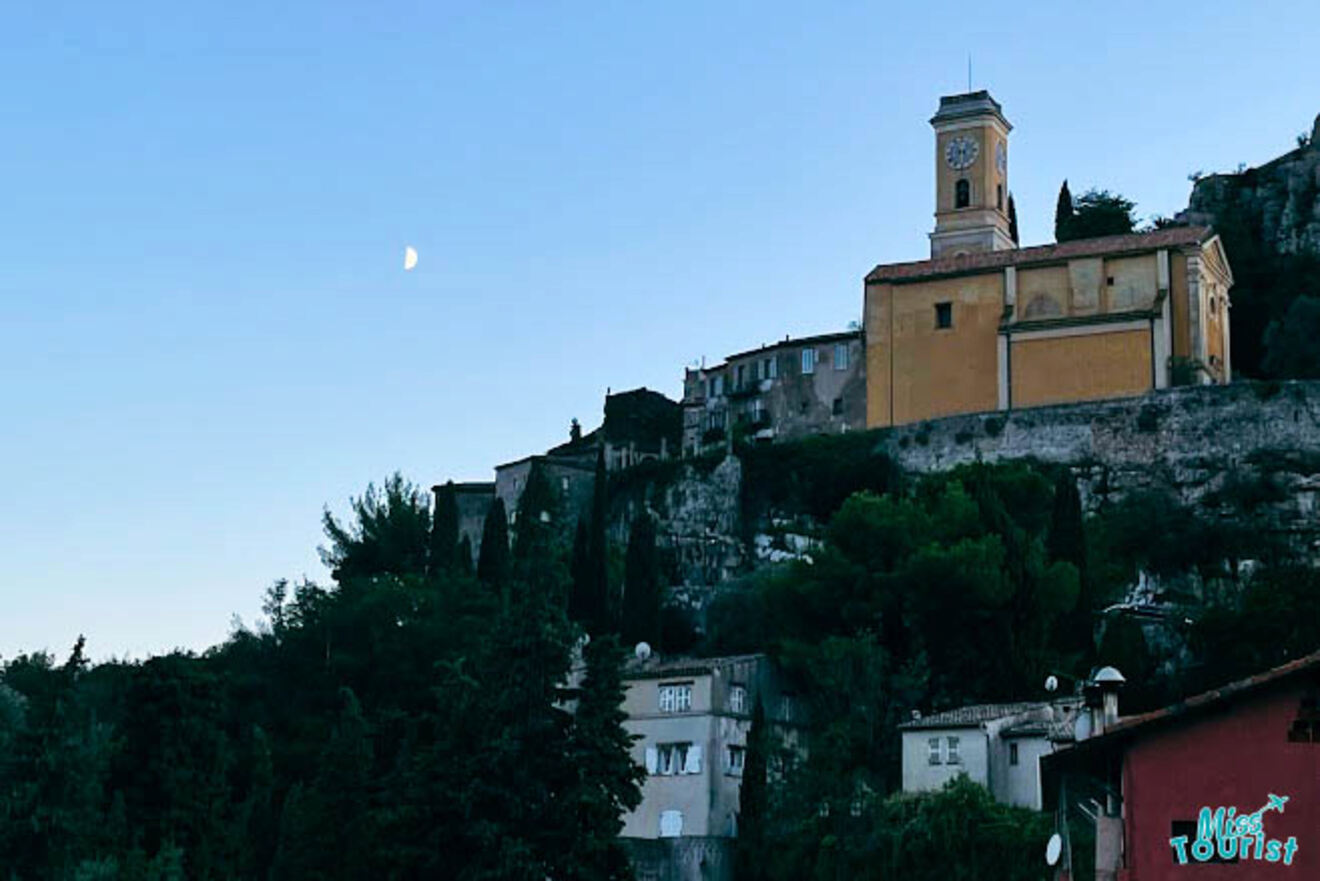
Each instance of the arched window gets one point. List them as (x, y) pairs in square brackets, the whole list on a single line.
[(962, 194)]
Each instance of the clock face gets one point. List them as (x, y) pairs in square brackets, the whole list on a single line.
[(1001, 157), (961, 152)]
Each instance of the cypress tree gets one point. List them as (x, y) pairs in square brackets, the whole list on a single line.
[(534, 527), (580, 607), (608, 780), (464, 566), (752, 798), (443, 545), (597, 577), (1012, 220), (1066, 542), (493, 558), (641, 585), (1063, 214)]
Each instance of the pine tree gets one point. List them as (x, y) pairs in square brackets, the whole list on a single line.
[(1013, 221), (752, 801), (493, 557), (640, 621), (608, 780), (443, 545), (1063, 214)]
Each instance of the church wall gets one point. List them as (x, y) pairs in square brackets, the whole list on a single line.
[(937, 372), (1043, 292), (1081, 368), (878, 377), (1134, 284), (1182, 339)]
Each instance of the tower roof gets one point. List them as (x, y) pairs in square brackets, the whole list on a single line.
[(968, 104)]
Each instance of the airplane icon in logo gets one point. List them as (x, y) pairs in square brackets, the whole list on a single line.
[(1276, 803)]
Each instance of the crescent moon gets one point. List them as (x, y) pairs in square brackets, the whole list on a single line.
[(409, 258)]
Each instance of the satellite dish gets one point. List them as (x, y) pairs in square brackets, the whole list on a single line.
[(1053, 849), (643, 651), (409, 257), (1051, 683)]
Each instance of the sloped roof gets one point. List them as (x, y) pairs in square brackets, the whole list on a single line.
[(666, 668), (1129, 726), (990, 260), (970, 716)]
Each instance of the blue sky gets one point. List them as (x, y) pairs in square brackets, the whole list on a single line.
[(206, 335)]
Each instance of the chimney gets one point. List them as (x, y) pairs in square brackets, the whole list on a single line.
[(1102, 698)]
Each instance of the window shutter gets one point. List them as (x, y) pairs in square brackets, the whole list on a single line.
[(650, 760), (693, 765)]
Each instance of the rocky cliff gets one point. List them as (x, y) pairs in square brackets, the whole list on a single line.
[(1280, 199), (1216, 449)]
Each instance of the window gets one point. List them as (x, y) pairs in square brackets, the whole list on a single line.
[(742, 375), (735, 757), (838, 406), (771, 368), (808, 360), (933, 757), (718, 385), (952, 756), (962, 193), (676, 698), (1012, 754), (943, 316), (673, 759), (737, 698), (563, 484), (999, 196), (841, 357), (671, 824), (760, 370)]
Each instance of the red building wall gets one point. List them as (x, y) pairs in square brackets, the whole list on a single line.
[(1231, 757)]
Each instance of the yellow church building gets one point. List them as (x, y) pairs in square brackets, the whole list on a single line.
[(985, 325)]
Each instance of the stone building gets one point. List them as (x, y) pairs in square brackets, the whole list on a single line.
[(639, 426), (691, 718), (984, 325), (783, 391)]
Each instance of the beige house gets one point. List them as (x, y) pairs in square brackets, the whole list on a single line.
[(996, 745), (691, 718)]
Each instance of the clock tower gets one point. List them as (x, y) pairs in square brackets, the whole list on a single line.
[(971, 176)]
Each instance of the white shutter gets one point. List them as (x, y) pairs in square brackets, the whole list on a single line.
[(693, 764), (650, 760)]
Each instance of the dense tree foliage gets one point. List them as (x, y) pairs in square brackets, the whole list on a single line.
[(642, 589), (1092, 214), (396, 724)]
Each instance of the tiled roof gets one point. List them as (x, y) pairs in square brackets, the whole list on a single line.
[(664, 668), (989, 260), (1130, 725), (969, 717)]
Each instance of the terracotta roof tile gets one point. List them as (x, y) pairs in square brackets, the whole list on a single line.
[(1136, 242), (970, 716)]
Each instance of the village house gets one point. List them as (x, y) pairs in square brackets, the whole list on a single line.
[(984, 325), (691, 717), (784, 391), (996, 745), (1143, 784)]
